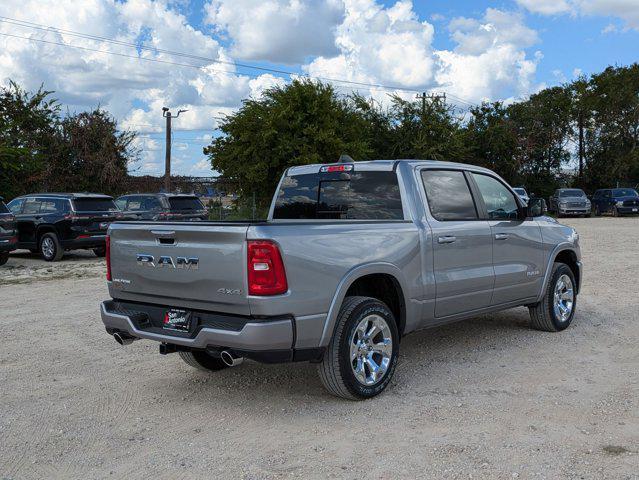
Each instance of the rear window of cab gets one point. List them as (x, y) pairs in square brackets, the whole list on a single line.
[(335, 195)]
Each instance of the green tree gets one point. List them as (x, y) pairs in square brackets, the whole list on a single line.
[(28, 137), (301, 123)]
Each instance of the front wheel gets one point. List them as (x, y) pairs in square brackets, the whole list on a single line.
[(4, 257), (557, 308), (362, 355)]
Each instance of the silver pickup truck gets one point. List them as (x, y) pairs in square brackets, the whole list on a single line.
[(352, 257)]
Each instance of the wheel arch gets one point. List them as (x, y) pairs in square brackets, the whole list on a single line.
[(42, 229), (564, 253), (371, 280)]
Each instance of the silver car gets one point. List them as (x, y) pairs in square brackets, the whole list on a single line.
[(352, 257)]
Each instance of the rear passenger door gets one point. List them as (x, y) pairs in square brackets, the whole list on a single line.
[(518, 255), (462, 244)]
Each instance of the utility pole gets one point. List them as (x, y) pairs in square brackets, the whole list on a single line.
[(166, 113), (433, 96), (581, 143)]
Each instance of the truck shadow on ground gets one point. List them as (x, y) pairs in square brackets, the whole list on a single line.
[(464, 347)]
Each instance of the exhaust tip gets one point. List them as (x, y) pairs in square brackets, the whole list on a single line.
[(123, 339), (230, 359)]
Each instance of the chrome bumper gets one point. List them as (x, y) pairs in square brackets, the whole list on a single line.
[(275, 335)]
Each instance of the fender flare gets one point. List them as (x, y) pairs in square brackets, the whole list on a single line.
[(551, 259), (347, 280)]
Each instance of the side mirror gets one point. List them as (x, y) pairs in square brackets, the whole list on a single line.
[(536, 207)]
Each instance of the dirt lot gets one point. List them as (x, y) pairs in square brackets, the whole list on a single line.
[(485, 398)]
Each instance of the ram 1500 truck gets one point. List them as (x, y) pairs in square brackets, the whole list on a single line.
[(352, 257)]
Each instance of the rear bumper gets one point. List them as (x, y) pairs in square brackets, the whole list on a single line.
[(254, 335), (94, 241)]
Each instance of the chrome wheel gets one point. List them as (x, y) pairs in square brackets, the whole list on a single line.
[(371, 349), (48, 247), (564, 298)]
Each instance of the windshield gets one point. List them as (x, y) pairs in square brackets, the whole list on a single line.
[(185, 203), (574, 192), (94, 205), (343, 196), (624, 192)]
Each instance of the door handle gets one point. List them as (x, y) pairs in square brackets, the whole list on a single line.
[(501, 236), (446, 239)]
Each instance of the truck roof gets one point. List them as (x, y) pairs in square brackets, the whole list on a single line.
[(383, 165)]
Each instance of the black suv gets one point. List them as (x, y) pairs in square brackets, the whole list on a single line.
[(8, 234), (54, 222), (162, 206)]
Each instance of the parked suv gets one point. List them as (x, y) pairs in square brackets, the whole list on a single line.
[(162, 206), (618, 201), (570, 202), (352, 257), (51, 223), (8, 236)]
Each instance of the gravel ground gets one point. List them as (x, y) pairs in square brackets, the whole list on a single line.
[(484, 398)]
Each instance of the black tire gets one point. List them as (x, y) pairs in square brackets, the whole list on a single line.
[(100, 252), (202, 361), (4, 257), (542, 314), (335, 370), (55, 252), (596, 212), (615, 212)]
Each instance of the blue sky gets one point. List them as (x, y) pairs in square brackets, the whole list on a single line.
[(473, 50)]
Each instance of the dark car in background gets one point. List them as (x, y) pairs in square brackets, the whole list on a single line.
[(8, 234), (162, 206), (51, 223), (570, 202), (618, 201)]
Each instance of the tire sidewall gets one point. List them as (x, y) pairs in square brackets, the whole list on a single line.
[(559, 270), (366, 308), (56, 245)]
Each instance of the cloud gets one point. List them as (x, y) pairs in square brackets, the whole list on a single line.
[(626, 10), (391, 46), (282, 31)]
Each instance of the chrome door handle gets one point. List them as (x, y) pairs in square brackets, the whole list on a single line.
[(446, 239), (501, 236)]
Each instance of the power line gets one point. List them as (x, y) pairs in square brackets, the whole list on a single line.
[(289, 73)]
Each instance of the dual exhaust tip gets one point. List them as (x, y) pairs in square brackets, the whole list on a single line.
[(229, 358)]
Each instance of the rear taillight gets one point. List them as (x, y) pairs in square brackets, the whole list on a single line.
[(266, 275), (108, 257)]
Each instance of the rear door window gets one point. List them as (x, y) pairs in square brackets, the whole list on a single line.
[(340, 196), (94, 205), (448, 195), (185, 203), (31, 206)]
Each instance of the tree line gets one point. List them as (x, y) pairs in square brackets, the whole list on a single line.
[(590, 123), (42, 150)]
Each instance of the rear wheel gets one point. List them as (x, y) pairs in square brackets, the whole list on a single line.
[(100, 252), (362, 355), (615, 212), (50, 247), (557, 309), (4, 257), (202, 361)]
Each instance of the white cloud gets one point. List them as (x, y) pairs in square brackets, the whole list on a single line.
[(391, 46), (627, 10), (283, 31), (546, 7)]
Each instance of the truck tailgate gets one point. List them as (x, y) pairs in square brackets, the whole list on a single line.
[(189, 265)]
